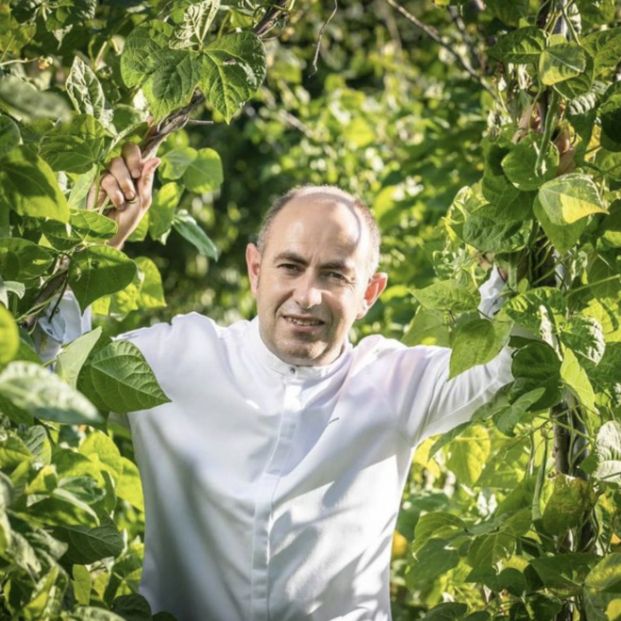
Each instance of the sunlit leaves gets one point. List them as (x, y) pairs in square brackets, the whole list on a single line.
[(523, 45), (199, 170), (608, 453), (447, 295), (86, 92), (569, 198), (561, 62), (28, 185), (9, 336), (38, 392)]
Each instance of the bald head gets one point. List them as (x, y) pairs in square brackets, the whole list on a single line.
[(321, 195)]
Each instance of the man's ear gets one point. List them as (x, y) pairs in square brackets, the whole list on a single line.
[(253, 263), (374, 289)]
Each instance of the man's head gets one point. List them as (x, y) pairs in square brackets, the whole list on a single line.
[(313, 272)]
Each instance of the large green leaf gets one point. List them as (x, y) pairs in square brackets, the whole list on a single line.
[(204, 173), (72, 358), (520, 164), (561, 62), (28, 185), (162, 210), (188, 228), (232, 69), (562, 236), (564, 572), (9, 336), (75, 146), (523, 45), (437, 525), (610, 115), (570, 198), (575, 377), (435, 558), (537, 366), (176, 161), (490, 234), (21, 259), (447, 295), (508, 12), (118, 378), (605, 48), (602, 586), (487, 550), (32, 389), (477, 341), (98, 271), (86, 92), (468, 453), (87, 545), (172, 83)]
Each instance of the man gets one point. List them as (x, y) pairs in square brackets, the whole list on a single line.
[(272, 479)]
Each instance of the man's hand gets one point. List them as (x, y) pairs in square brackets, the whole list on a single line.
[(128, 184)]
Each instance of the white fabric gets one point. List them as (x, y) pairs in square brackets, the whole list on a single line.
[(272, 491)]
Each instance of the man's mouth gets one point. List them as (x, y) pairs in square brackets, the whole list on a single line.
[(296, 320)]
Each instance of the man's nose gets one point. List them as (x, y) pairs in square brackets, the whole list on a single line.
[(307, 292)]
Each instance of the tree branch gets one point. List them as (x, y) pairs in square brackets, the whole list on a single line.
[(433, 34)]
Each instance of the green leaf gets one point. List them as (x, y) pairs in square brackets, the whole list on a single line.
[(561, 62), (537, 366), (487, 550), (9, 134), (608, 452), (150, 291), (508, 12), (448, 295), (585, 336), (477, 341), (28, 185), (98, 271), (232, 69), (570, 198), (563, 571), (520, 164), (492, 234), (25, 102), (602, 587), (433, 559), (92, 613), (9, 336), (427, 328), (35, 390), (523, 45), (146, 48), (562, 236), (72, 358), (119, 378), (86, 92), (605, 48), (567, 505), (87, 545), (162, 210), (173, 82), (507, 417), (578, 86), (437, 525), (176, 161), (75, 146), (22, 259), (197, 19), (575, 377), (188, 228), (204, 173), (468, 453), (81, 584)]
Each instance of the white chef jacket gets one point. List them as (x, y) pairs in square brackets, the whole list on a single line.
[(272, 491)]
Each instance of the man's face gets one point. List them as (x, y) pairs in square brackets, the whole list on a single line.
[(312, 280)]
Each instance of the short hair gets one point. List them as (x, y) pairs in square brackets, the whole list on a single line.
[(304, 190)]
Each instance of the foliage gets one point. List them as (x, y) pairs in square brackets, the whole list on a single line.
[(514, 516), (71, 511)]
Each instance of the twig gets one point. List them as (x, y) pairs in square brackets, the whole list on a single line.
[(433, 34), (321, 33), (475, 57)]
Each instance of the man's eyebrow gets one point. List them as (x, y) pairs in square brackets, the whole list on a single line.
[(293, 257)]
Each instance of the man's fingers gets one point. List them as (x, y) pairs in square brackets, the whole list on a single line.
[(145, 183), (119, 170), (111, 187), (133, 159)]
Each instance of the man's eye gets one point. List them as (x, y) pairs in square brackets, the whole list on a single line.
[(337, 276), (289, 267)]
